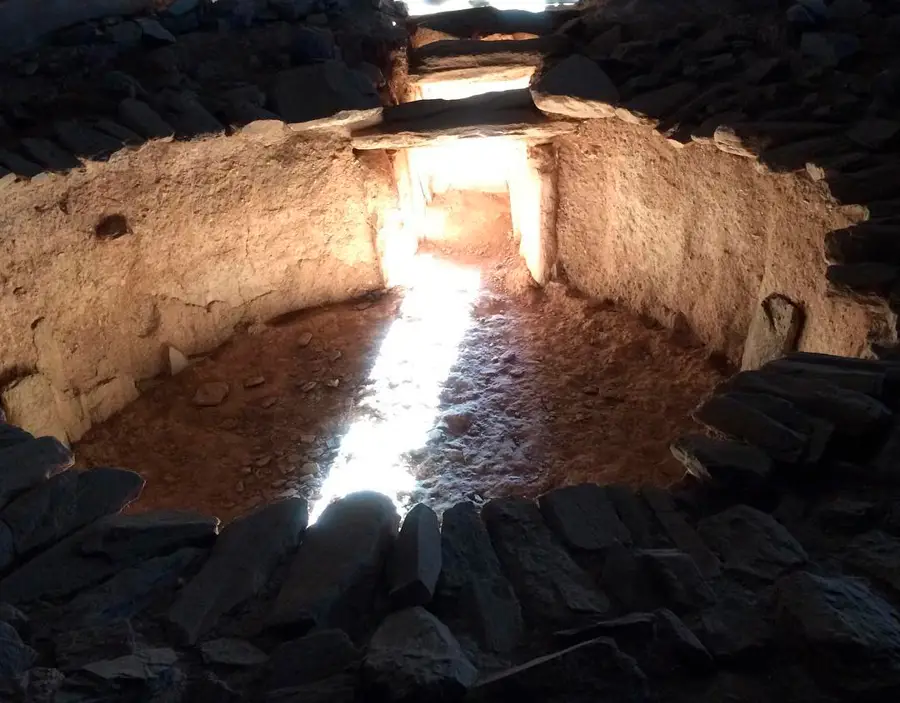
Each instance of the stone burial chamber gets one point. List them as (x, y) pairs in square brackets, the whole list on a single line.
[(178, 178)]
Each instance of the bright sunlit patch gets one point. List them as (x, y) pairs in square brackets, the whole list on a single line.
[(457, 90), (421, 7), (400, 405)]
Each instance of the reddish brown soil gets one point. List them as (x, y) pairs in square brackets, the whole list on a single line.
[(551, 389)]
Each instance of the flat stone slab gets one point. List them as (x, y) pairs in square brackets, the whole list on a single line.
[(852, 413), (103, 549), (583, 517), (227, 651), (576, 87), (659, 641), (473, 595), (591, 671), (471, 59), (752, 542), (724, 464), (132, 590), (241, 563), (553, 589), (25, 464), (413, 656), (849, 635), (335, 574), (65, 503), (415, 563), (510, 113)]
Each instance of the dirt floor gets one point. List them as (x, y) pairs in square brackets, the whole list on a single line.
[(469, 384)]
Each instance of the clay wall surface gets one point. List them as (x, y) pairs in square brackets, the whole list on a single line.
[(699, 232), (221, 233)]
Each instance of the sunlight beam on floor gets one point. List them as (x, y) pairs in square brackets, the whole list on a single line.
[(402, 393)]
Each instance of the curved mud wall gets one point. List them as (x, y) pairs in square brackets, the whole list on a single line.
[(698, 232), (220, 233)]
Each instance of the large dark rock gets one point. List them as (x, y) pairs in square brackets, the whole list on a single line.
[(877, 556), (553, 589), (473, 595), (414, 657), (241, 563), (735, 417), (132, 590), (143, 119), (189, 117), (626, 579), (65, 503), (416, 560), (144, 664), (103, 549), (736, 628), (633, 513), (585, 673), (16, 657), (576, 87), (227, 651), (852, 413), (334, 577), (340, 688), (774, 331), (75, 648), (659, 641), (752, 543), (726, 465), (10, 435), (25, 464), (49, 154), (848, 635), (677, 579), (320, 90), (84, 141), (680, 532), (583, 517), (317, 656)]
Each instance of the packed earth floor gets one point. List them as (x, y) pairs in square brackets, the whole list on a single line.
[(467, 384)]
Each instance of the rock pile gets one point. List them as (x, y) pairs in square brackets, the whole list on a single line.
[(771, 572)]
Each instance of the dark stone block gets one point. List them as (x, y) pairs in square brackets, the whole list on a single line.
[(319, 655), (633, 513), (877, 556), (848, 635), (473, 595), (659, 641), (25, 464), (414, 657), (583, 517), (132, 590), (625, 579), (677, 578), (84, 141), (67, 502), (335, 689), (227, 651), (144, 120), (852, 413), (19, 164), (680, 532), (10, 434), (321, 90), (75, 648), (585, 673), (16, 657), (48, 154), (336, 573), (416, 560), (553, 589), (752, 543), (736, 628), (241, 563), (103, 549), (736, 418), (725, 464)]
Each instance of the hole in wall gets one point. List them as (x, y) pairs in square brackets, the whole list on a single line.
[(111, 227)]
